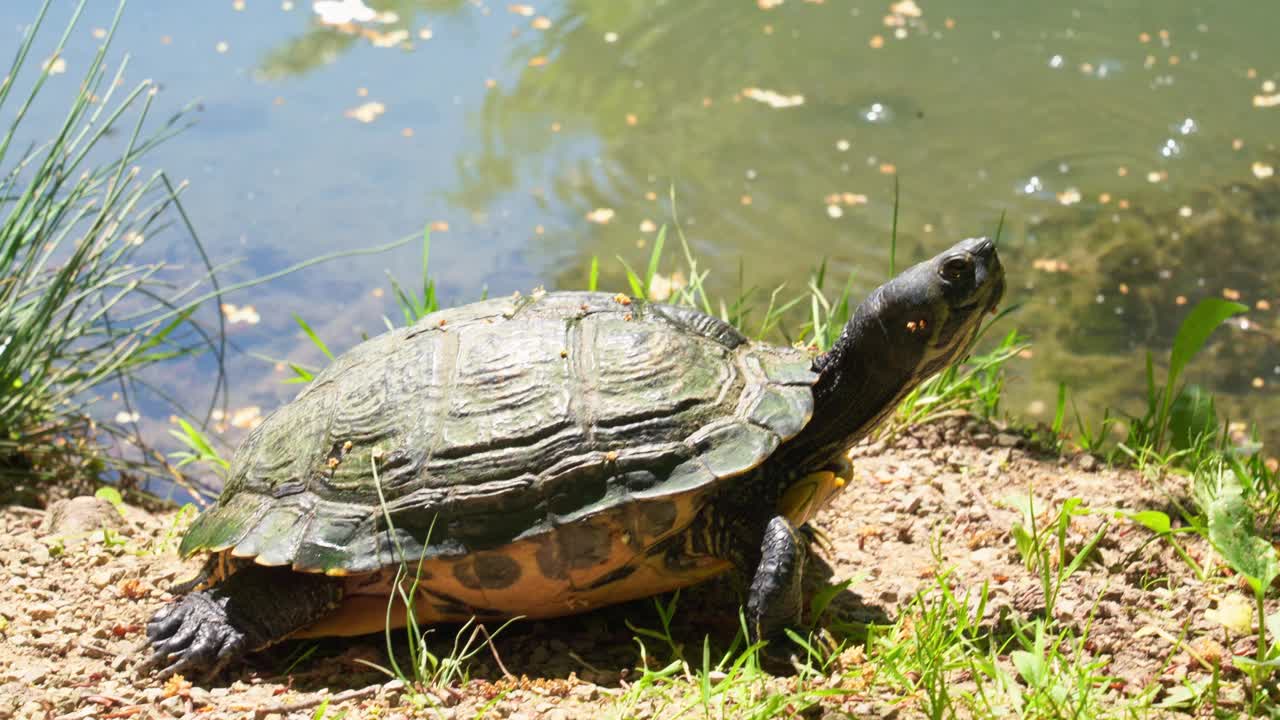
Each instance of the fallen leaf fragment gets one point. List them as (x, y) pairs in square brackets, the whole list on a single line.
[(907, 8), (1050, 265), (367, 112), (387, 39), (236, 315), (341, 12), (601, 216), (773, 99), (176, 685), (247, 418), (1234, 612), (662, 286)]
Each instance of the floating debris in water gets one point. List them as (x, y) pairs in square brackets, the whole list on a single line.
[(367, 112), (661, 287), (55, 65), (525, 10), (343, 12), (247, 418), (1050, 265), (647, 226), (538, 61), (387, 39), (773, 99), (847, 199), (541, 23), (1262, 170), (768, 4), (125, 416), (439, 226), (237, 315), (611, 37), (601, 216), (906, 8), (1070, 196), (222, 47), (876, 42)]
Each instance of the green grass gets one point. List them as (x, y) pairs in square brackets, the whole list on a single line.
[(81, 314)]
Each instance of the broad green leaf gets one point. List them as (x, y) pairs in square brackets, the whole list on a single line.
[(1195, 330), (1231, 531), (1192, 417), (1030, 666), (111, 495), (1153, 520)]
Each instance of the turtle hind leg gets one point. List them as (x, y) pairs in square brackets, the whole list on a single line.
[(254, 608)]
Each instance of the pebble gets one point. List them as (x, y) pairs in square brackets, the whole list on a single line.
[(39, 554), (1007, 440), (42, 611), (80, 515), (585, 693)]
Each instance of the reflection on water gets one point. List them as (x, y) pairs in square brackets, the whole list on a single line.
[(1128, 144)]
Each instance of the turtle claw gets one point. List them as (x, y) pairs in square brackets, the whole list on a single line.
[(194, 635)]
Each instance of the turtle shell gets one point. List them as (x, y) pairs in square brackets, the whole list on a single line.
[(543, 423)]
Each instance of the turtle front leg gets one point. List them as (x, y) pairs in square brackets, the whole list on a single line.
[(254, 608), (775, 597)]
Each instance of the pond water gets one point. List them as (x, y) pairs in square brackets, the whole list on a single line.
[(1130, 147)]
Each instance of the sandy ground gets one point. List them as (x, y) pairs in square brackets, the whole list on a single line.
[(73, 606)]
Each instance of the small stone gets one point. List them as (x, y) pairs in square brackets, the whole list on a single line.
[(1087, 462), (1007, 440), (42, 611), (82, 515), (982, 440), (39, 554), (104, 577), (585, 693)]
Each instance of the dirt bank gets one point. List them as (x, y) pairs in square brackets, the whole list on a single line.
[(934, 501)]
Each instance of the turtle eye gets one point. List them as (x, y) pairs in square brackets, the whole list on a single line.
[(957, 267)]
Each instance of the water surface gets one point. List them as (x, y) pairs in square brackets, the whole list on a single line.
[(1110, 135)]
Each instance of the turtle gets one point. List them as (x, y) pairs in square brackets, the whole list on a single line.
[(544, 455)]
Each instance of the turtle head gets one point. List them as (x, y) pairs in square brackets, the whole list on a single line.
[(928, 317), (906, 330)]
